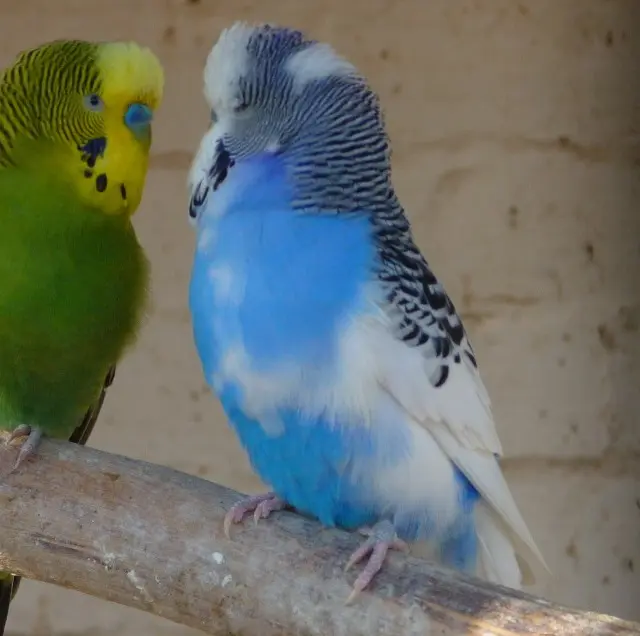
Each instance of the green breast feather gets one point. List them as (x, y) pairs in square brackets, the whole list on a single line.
[(72, 289)]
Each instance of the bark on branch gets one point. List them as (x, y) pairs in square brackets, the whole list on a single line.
[(150, 537)]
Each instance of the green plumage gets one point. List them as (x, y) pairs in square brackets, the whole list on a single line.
[(9, 583), (72, 290), (73, 277), (72, 282)]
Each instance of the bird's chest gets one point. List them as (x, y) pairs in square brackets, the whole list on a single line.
[(272, 289), (70, 304)]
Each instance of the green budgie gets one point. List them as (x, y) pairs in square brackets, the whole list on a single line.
[(75, 134)]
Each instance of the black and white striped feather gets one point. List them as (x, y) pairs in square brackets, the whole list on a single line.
[(273, 90)]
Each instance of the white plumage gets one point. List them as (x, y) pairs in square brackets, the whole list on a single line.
[(453, 422), (400, 361)]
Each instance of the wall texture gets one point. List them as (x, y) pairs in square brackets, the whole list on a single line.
[(516, 129)]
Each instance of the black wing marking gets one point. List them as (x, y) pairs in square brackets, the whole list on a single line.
[(82, 432), (426, 316)]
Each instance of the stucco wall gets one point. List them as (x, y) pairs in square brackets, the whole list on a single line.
[(515, 127)]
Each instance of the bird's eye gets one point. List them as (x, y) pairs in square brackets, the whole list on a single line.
[(214, 116), (93, 102), (241, 107)]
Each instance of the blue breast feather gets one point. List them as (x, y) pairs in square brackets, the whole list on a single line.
[(301, 277)]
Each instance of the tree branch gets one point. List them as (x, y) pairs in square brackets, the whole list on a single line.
[(150, 537)]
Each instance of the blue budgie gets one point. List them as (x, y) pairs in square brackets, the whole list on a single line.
[(339, 359)]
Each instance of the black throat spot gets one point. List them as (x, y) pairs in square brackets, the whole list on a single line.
[(93, 150), (221, 166), (197, 199), (90, 153)]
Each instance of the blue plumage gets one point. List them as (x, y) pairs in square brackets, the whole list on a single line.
[(310, 464), (293, 299), (295, 294), (307, 464), (338, 358), (292, 290)]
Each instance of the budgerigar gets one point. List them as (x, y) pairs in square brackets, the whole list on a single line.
[(339, 359), (75, 133)]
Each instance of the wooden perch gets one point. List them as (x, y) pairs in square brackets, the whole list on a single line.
[(149, 537)]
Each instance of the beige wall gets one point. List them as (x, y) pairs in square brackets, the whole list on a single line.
[(516, 129)]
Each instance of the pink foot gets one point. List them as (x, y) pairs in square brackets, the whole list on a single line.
[(29, 446), (261, 506), (382, 538), (267, 506)]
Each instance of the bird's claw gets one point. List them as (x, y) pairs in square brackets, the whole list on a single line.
[(261, 506), (266, 507), (19, 431), (382, 537), (29, 446)]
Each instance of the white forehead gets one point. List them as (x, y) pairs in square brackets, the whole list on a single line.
[(229, 60)]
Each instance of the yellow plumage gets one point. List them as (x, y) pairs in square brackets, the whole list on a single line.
[(130, 74), (75, 136), (42, 118)]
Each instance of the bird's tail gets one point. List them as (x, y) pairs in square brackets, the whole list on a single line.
[(498, 561), (8, 588)]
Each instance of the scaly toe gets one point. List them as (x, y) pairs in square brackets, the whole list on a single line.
[(360, 553), (266, 507), (251, 504), (29, 446), (235, 515), (19, 431), (381, 538), (374, 565)]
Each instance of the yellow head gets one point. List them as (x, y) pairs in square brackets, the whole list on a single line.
[(82, 111)]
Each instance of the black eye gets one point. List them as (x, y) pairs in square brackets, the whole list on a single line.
[(214, 116), (93, 102), (241, 107)]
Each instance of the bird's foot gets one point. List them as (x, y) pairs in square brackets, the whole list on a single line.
[(382, 537), (29, 446), (261, 506)]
